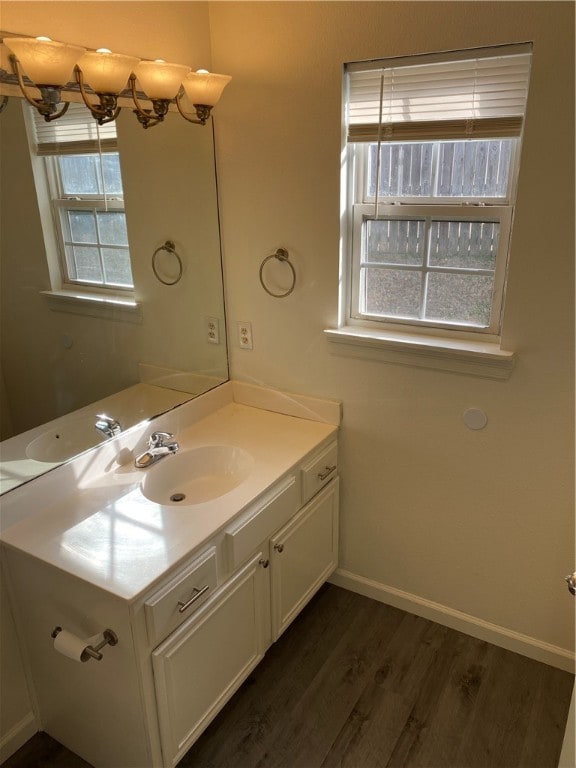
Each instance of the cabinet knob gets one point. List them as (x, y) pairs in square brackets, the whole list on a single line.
[(264, 563), (279, 547)]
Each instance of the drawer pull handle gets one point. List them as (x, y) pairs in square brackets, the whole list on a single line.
[(263, 562), (196, 596), (327, 471)]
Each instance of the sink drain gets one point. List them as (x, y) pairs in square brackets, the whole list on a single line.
[(178, 497)]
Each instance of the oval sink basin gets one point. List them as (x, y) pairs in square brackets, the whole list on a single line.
[(196, 475), (65, 441)]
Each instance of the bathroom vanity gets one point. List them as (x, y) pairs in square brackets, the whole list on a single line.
[(195, 590)]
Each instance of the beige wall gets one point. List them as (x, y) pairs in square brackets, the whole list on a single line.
[(175, 31), (481, 522)]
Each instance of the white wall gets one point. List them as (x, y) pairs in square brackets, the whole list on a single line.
[(478, 522)]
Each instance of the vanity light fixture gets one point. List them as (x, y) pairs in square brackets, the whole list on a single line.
[(51, 65), (107, 74), (161, 83), (203, 89)]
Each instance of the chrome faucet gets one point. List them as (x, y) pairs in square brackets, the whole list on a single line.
[(157, 449), (108, 426)]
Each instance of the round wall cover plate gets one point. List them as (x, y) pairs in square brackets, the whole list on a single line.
[(475, 418)]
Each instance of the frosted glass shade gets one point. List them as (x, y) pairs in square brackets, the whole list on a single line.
[(160, 80), (45, 61), (205, 87), (107, 72)]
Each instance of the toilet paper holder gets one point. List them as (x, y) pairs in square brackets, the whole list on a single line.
[(93, 652)]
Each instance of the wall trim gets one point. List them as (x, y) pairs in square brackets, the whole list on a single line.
[(17, 736), (463, 622)]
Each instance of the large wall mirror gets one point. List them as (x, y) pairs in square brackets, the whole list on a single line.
[(64, 362)]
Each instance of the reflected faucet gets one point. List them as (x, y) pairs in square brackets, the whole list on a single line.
[(108, 426), (157, 449)]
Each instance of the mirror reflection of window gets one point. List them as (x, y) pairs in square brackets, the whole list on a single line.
[(84, 184)]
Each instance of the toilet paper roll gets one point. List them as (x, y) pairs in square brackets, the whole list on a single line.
[(72, 646)]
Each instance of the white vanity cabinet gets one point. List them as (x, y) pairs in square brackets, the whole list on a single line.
[(188, 641), (303, 554), (204, 662), (200, 665)]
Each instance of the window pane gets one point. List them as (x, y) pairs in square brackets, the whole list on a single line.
[(85, 174), (112, 175), (464, 244), (459, 298), (395, 241), (117, 267), (405, 170), (391, 292), (82, 226), (471, 168), (474, 168), (112, 227), (84, 264), (79, 174)]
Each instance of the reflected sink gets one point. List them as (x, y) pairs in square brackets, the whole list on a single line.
[(64, 441), (197, 475)]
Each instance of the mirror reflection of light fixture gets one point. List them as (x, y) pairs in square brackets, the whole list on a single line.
[(203, 89), (107, 74), (49, 65), (161, 83)]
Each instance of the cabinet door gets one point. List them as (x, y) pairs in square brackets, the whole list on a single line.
[(302, 555), (200, 666)]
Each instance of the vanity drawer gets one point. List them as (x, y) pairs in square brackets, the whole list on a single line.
[(319, 471), (265, 518), (178, 600)]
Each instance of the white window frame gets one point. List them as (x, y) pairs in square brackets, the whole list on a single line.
[(360, 207), (113, 301), (364, 212), (61, 203), (445, 345)]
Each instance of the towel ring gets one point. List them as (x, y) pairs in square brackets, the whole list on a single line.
[(282, 255), (169, 247)]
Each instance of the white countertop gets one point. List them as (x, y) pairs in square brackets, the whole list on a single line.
[(107, 533)]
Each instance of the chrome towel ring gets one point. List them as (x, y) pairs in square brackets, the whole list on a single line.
[(282, 255), (169, 247)]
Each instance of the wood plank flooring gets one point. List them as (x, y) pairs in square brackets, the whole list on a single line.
[(354, 683)]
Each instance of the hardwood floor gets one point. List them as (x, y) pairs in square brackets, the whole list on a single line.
[(354, 683)]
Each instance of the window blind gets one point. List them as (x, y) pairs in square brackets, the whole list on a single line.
[(483, 94), (76, 132)]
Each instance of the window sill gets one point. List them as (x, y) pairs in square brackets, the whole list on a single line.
[(94, 305), (477, 358)]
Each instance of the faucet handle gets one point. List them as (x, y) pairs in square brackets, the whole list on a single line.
[(106, 420), (157, 438)]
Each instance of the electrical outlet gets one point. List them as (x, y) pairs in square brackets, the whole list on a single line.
[(212, 330), (244, 335)]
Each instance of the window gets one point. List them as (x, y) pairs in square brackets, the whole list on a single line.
[(432, 153), (84, 184)]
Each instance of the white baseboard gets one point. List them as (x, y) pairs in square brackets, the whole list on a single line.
[(17, 736), (463, 622)]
